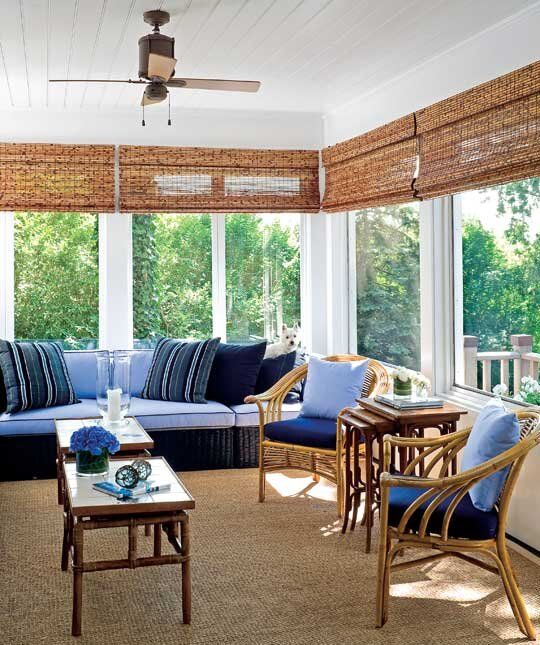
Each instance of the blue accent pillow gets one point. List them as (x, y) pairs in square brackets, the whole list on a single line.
[(495, 430), (35, 376), (180, 370), (234, 372), (272, 369), (332, 386)]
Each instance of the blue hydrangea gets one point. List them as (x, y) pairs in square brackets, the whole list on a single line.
[(94, 439)]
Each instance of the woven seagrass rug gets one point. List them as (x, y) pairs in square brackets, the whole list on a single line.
[(273, 573)]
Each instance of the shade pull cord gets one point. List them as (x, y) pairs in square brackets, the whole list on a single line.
[(169, 121), (143, 121)]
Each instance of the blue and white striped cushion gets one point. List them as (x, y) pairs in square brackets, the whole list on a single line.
[(180, 370), (35, 376)]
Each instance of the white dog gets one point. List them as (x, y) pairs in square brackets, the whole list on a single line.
[(288, 342)]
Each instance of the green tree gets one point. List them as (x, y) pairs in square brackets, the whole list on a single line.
[(57, 278), (388, 284)]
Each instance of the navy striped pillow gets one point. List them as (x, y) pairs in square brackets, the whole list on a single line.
[(35, 376), (180, 370)]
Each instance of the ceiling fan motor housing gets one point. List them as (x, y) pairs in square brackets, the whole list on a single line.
[(155, 43)]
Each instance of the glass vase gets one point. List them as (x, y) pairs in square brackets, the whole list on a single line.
[(402, 388), (113, 387), (89, 465)]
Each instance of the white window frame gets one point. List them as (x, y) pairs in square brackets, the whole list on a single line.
[(116, 279)]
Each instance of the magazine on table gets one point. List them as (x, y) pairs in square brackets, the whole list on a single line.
[(120, 492), (410, 403)]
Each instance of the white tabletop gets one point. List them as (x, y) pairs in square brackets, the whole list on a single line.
[(131, 436), (85, 500)]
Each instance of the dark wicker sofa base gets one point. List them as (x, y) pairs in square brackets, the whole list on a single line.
[(33, 456)]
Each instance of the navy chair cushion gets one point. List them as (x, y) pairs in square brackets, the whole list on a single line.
[(304, 431), (467, 521)]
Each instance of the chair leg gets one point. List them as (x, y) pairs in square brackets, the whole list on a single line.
[(383, 580), (513, 591), (262, 484)]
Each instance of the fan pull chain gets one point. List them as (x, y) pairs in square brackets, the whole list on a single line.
[(169, 121), (143, 121)]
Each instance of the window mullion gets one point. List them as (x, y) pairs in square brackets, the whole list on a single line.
[(219, 310), (7, 271)]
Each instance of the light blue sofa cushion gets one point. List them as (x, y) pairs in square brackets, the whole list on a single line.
[(332, 386), (495, 431), (247, 414), (82, 368), (173, 414), (151, 414)]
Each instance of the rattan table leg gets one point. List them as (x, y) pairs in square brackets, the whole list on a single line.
[(157, 540), (357, 495), (347, 493), (68, 536), (186, 570), (369, 488), (78, 541)]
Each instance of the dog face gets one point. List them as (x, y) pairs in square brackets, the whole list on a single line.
[(290, 337)]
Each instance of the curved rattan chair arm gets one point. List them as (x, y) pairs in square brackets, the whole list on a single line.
[(282, 387), (477, 473), (425, 442)]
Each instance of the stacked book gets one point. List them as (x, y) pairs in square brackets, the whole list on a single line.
[(144, 488), (408, 403)]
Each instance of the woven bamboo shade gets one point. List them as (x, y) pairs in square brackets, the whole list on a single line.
[(484, 136), (373, 169), (165, 180), (53, 177)]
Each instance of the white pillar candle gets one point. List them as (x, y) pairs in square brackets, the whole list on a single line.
[(113, 404)]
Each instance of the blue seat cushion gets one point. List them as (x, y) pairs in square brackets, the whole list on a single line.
[(247, 414), (152, 415), (304, 431), (467, 521)]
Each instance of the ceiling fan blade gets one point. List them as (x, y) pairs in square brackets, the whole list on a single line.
[(149, 101), (92, 80), (214, 84), (160, 66)]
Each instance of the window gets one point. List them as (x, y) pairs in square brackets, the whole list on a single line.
[(56, 278), (262, 258), (497, 272), (386, 272), (172, 277)]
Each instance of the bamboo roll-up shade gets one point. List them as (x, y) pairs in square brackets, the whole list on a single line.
[(54, 177), (378, 178), (374, 169), (175, 180), (487, 135)]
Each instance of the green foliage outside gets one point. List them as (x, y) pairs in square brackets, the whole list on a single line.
[(172, 277), (56, 278), (388, 284), (262, 256)]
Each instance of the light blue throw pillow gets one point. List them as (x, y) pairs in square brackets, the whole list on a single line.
[(331, 386), (495, 430)]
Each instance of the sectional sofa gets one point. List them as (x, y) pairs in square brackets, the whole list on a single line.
[(190, 436)]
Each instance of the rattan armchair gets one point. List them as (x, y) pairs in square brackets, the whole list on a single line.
[(432, 520), (327, 463)]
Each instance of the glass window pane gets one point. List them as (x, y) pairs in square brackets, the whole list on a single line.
[(497, 231), (262, 258), (57, 278), (172, 277), (388, 284)]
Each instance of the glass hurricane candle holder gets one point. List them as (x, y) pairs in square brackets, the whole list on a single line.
[(113, 390)]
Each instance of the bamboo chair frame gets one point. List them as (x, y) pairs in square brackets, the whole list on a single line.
[(327, 463), (439, 452)]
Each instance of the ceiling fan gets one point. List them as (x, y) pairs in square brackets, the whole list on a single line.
[(156, 68)]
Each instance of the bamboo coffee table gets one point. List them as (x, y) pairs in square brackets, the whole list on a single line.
[(134, 442), (86, 509)]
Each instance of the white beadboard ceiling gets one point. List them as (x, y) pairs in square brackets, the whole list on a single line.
[(311, 55)]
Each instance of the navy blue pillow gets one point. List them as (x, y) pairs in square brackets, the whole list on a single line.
[(3, 400), (272, 369), (234, 372)]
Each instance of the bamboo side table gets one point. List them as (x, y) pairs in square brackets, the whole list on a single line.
[(86, 509), (366, 425)]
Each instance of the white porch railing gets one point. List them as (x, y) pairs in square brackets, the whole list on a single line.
[(521, 360)]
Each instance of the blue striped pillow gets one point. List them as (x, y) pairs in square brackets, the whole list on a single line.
[(180, 370), (35, 376)]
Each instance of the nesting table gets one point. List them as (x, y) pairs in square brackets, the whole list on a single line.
[(86, 509), (366, 424), (134, 442)]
